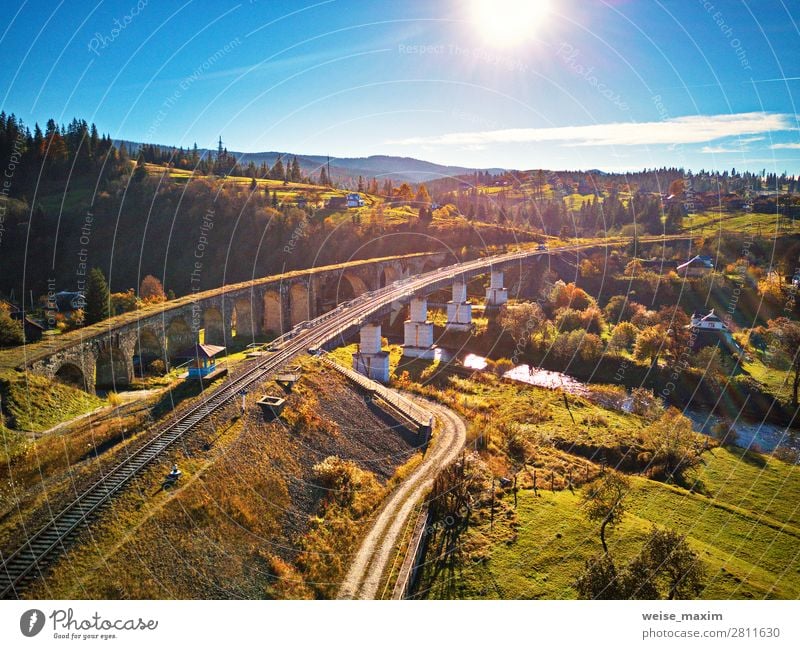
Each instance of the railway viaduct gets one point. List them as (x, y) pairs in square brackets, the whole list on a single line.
[(104, 354)]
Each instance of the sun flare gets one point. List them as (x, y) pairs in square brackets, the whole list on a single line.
[(508, 22)]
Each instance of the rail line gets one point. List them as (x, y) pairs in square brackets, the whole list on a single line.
[(53, 538)]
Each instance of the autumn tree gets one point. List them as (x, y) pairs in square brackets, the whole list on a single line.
[(623, 337), (785, 335), (11, 332), (151, 291), (522, 320), (569, 295), (649, 343), (618, 308), (98, 298), (603, 501), (422, 197), (124, 302), (666, 562), (405, 193), (670, 445), (600, 580)]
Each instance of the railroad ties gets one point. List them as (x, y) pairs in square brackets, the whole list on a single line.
[(18, 568)]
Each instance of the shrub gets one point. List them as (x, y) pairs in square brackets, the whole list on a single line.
[(10, 331), (592, 319), (670, 445), (568, 319), (569, 295), (157, 367), (623, 337)]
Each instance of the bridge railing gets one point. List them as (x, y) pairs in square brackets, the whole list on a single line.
[(419, 416)]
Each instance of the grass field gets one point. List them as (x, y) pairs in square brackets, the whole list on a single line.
[(739, 510), (754, 224), (746, 529)]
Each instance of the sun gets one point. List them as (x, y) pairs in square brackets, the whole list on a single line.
[(508, 22)]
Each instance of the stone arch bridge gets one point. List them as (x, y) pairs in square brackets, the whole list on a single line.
[(107, 354)]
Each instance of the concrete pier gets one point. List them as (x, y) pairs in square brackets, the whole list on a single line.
[(370, 360), (496, 294), (418, 331), (459, 311)]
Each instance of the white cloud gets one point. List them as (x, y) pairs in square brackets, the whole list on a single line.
[(786, 145), (718, 149), (680, 130)]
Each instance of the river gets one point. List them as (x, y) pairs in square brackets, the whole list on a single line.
[(749, 433)]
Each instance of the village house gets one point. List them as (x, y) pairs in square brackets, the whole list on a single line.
[(697, 266), (354, 200), (708, 322)]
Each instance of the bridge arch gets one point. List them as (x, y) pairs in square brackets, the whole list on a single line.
[(147, 349), (113, 368), (243, 319), (273, 313), (214, 326), (179, 337), (71, 374), (299, 309), (428, 265), (389, 273)]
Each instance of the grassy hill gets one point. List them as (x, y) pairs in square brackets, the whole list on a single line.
[(738, 509)]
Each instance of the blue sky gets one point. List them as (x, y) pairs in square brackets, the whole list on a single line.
[(570, 84)]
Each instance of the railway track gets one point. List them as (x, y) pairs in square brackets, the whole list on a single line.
[(54, 537)]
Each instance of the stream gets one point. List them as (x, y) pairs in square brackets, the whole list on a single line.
[(748, 432)]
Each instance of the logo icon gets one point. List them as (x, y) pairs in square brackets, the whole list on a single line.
[(31, 622)]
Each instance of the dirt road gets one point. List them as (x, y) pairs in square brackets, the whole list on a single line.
[(369, 563)]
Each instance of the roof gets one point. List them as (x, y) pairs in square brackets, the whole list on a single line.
[(710, 316), (206, 351), (69, 300), (30, 321), (697, 260)]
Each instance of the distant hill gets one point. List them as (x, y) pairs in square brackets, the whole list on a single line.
[(343, 169)]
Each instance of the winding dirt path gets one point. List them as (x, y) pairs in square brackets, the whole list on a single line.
[(369, 563)]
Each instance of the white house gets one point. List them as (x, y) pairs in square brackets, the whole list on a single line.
[(708, 322)]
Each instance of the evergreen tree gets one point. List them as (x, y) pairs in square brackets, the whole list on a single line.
[(98, 298), (295, 174), (140, 173), (278, 172)]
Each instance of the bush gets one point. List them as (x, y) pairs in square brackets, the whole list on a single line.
[(11, 333), (592, 320), (157, 367), (623, 337), (568, 319), (569, 295)]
